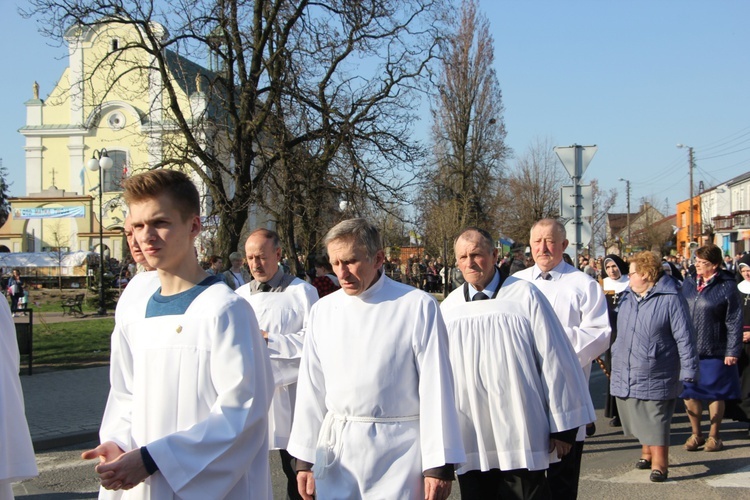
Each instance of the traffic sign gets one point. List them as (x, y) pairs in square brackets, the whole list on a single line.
[(586, 233), (567, 156), (568, 201)]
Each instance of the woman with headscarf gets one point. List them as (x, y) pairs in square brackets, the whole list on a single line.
[(614, 282), (717, 316), (740, 409)]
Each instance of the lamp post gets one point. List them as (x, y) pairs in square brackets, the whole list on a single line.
[(100, 162), (627, 191), (691, 160)]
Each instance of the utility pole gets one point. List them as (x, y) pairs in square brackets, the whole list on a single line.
[(627, 191), (691, 161)]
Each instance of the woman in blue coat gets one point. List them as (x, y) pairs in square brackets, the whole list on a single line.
[(653, 354), (717, 317)]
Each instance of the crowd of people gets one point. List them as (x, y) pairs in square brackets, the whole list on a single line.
[(370, 388)]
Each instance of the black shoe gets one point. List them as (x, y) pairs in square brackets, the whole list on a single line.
[(643, 464), (590, 429), (615, 422), (658, 476)]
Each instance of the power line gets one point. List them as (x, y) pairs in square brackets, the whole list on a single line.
[(727, 140), (723, 154)]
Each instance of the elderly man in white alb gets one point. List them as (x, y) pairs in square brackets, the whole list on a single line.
[(281, 302), (580, 306), (520, 391), (375, 416)]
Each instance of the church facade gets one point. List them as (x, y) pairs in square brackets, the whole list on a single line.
[(108, 101)]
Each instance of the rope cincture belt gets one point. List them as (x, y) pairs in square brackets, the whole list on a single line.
[(328, 449)]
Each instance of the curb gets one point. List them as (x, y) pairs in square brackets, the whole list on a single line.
[(65, 440)]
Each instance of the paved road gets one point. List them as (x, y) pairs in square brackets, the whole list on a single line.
[(66, 406)]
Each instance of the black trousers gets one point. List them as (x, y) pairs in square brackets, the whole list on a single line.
[(518, 484), (291, 476), (563, 475)]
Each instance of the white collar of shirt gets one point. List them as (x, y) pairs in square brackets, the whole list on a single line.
[(555, 272), (374, 288), (489, 290)]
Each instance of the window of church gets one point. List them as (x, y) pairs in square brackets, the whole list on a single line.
[(115, 44), (114, 176)]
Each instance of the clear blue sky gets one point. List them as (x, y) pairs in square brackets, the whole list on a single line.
[(633, 77)]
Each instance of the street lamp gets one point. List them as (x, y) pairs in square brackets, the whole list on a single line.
[(100, 161), (691, 160), (627, 191)]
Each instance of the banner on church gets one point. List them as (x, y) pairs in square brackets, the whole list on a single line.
[(49, 213)]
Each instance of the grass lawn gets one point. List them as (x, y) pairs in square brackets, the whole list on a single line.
[(68, 345), (77, 344)]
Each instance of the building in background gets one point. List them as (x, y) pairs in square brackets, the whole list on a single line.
[(106, 99), (683, 225), (645, 232), (726, 214)]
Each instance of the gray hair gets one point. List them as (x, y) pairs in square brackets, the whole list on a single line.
[(484, 237), (360, 231), (559, 226), (235, 256), (271, 235)]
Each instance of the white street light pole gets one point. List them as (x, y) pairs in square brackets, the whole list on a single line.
[(100, 162)]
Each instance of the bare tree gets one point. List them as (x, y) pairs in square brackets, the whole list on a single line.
[(60, 245), (468, 133), (601, 202), (653, 230), (4, 195), (299, 91), (533, 190)]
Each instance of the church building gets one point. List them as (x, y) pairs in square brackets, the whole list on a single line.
[(109, 105)]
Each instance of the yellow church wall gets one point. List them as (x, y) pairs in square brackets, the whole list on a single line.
[(57, 105), (86, 111)]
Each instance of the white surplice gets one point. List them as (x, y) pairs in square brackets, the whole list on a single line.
[(17, 460), (517, 378), (581, 307), (375, 394), (283, 316), (195, 389)]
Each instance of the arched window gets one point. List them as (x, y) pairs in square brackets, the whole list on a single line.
[(114, 176)]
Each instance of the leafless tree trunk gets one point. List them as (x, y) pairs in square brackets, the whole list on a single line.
[(332, 84), (602, 202), (468, 133), (533, 190)]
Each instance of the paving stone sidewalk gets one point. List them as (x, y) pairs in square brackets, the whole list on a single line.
[(66, 406)]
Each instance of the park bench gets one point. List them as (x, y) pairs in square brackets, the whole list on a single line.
[(73, 306), (24, 336)]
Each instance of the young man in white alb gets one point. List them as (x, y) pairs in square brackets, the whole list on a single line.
[(191, 380)]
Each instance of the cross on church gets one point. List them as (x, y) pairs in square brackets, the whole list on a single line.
[(53, 177)]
